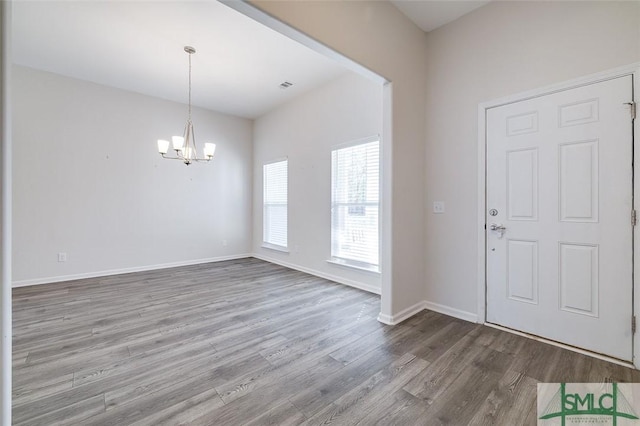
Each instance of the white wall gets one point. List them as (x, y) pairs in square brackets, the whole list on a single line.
[(305, 130), (88, 181), (497, 50), (378, 36)]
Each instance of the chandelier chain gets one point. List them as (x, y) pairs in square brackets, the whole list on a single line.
[(189, 86)]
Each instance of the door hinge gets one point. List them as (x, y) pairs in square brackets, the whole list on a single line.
[(634, 217), (632, 109), (633, 324)]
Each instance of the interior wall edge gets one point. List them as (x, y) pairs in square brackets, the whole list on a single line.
[(5, 213)]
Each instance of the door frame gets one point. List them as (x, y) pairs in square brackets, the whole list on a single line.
[(633, 70)]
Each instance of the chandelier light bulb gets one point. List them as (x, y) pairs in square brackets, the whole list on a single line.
[(178, 142), (163, 146), (209, 149)]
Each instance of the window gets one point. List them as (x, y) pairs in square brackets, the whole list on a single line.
[(274, 219), (355, 187)]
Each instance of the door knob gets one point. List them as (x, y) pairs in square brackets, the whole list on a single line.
[(496, 227)]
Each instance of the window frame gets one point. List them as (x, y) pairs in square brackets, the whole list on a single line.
[(267, 244), (342, 261)]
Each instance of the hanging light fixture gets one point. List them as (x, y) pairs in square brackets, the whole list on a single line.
[(185, 146)]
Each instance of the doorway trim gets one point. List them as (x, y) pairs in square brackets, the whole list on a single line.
[(385, 227), (633, 70)]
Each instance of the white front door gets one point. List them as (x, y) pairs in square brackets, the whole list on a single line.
[(559, 180)]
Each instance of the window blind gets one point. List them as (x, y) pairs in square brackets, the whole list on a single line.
[(355, 188), (275, 203)]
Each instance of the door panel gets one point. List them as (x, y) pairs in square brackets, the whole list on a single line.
[(559, 173), (522, 270), (579, 278), (522, 180), (579, 181)]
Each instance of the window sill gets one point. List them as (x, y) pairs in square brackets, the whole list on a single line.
[(274, 247), (346, 264)]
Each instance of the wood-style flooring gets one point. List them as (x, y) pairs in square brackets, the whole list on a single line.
[(247, 342)]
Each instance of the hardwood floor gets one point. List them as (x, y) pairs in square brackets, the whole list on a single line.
[(246, 342)]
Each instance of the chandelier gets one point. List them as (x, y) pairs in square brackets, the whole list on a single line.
[(185, 146)]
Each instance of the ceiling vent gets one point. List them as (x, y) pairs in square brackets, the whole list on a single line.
[(285, 85)]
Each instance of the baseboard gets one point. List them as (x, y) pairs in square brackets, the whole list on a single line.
[(452, 312), (340, 280), (402, 315), (421, 306), (385, 319), (48, 280)]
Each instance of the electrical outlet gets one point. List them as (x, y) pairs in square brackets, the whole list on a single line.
[(438, 207), (62, 257)]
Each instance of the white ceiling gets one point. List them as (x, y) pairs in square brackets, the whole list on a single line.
[(138, 46), (431, 14)]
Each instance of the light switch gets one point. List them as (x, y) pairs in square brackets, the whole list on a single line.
[(438, 207)]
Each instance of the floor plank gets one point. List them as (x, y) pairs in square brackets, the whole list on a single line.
[(246, 342)]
